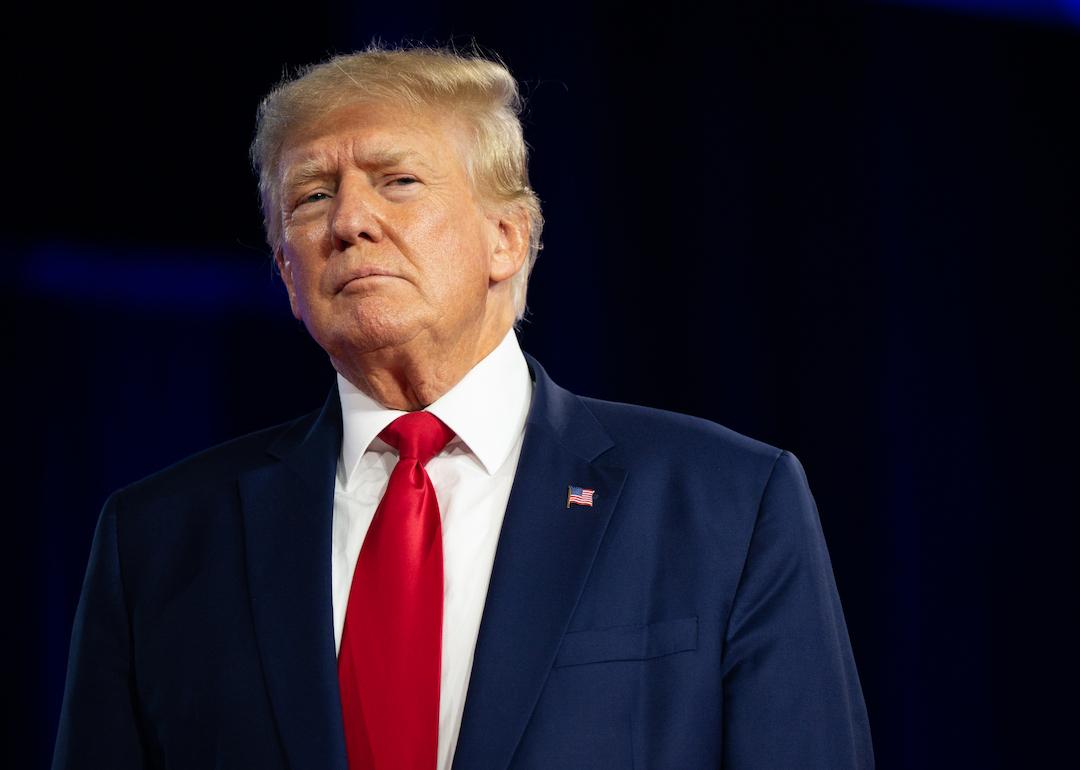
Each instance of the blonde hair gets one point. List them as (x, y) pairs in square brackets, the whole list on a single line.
[(481, 91)]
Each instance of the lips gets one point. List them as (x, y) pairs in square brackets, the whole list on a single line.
[(363, 272)]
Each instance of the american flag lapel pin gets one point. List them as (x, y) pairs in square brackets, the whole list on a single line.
[(579, 496)]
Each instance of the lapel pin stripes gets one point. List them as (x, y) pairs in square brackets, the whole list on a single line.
[(579, 496)]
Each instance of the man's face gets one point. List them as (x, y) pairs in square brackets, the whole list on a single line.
[(385, 242)]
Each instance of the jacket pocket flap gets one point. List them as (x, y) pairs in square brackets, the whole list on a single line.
[(628, 642)]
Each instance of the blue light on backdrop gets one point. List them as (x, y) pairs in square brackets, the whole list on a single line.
[(158, 280), (1034, 10)]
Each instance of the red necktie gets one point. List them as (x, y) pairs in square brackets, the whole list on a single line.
[(391, 647)]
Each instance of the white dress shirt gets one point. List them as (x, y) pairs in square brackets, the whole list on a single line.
[(472, 477)]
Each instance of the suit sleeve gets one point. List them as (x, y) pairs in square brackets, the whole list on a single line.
[(791, 692), (98, 722)]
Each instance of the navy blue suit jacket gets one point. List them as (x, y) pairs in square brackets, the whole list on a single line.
[(689, 619)]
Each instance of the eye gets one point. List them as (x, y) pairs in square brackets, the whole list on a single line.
[(404, 181), (313, 198)]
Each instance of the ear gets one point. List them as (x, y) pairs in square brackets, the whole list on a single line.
[(510, 228), (284, 267)]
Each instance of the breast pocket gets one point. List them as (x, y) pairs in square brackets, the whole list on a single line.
[(620, 643)]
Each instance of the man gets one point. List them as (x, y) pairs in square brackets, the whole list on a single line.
[(454, 561)]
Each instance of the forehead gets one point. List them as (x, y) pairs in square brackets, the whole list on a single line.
[(376, 134)]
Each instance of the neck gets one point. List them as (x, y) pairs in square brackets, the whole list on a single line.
[(411, 376)]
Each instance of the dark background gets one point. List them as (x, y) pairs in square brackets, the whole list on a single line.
[(850, 231)]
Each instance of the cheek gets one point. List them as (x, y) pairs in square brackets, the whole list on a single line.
[(299, 282), (308, 242), (458, 256), (303, 251)]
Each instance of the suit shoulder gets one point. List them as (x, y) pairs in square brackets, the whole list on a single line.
[(218, 464), (644, 430), (718, 476)]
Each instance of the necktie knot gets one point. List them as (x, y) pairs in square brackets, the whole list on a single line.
[(417, 435)]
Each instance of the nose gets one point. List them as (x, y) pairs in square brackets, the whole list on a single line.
[(356, 215)]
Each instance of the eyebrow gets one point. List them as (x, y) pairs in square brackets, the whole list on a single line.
[(384, 158), (305, 171)]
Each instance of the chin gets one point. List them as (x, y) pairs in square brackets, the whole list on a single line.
[(361, 336)]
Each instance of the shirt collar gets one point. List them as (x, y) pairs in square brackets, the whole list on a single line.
[(487, 409)]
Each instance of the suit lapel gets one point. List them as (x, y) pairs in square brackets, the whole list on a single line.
[(543, 558), (288, 509)]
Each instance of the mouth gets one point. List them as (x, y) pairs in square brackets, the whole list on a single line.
[(363, 276)]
